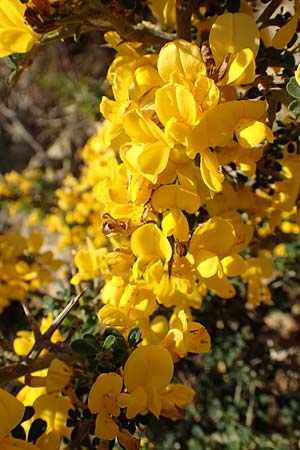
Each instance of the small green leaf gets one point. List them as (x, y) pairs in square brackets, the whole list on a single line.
[(294, 107), (12, 77), (10, 63), (109, 342), (128, 5), (112, 331), (293, 88), (38, 427), (134, 337), (82, 347), (120, 344), (92, 341)]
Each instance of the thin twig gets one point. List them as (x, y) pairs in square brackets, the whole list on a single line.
[(184, 11), (250, 409), (267, 13), (33, 361), (17, 128)]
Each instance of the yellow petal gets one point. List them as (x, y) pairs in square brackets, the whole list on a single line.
[(15, 35), (175, 343), (58, 377), (206, 92), (175, 101), (137, 302), (197, 338), (150, 366), (136, 402), (141, 129), (145, 79), (220, 286), (106, 428), (297, 74), (53, 408), (175, 196), (285, 33), (211, 171), (217, 125), (24, 342), (10, 443), (175, 223), (148, 160), (165, 11), (177, 132), (216, 235), (148, 242), (251, 132), (175, 398), (107, 384), (11, 412), (231, 33), (233, 265), (241, 68), (182, 57), (49, 440), (128, 441), (208, 263), (111, 316)]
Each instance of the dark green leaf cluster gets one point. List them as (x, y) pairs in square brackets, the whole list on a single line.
[(293, 89)]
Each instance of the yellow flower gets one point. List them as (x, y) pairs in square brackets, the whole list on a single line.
[(186, 336), (210, 243), (58, 377), (87, 263), (15, 36), (53, 408), (103, 401), (175, 398), (175, 223), (180, 57), (11, 413), (149, 243), (175, 196), (147, 373), (148, 153), (165, 11), (137, 302), (235, 35), (258, 271)]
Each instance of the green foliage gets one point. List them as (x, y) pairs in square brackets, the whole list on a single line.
[(294, 107), (293, 88)]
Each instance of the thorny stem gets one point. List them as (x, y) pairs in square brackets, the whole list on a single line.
[(33, 362), (45, 338), (19, 369)]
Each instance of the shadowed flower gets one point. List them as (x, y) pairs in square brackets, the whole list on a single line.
[(15, 35), (11, 413)]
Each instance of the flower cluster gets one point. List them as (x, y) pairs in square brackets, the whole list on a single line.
[(166, 210), (24, 267)]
